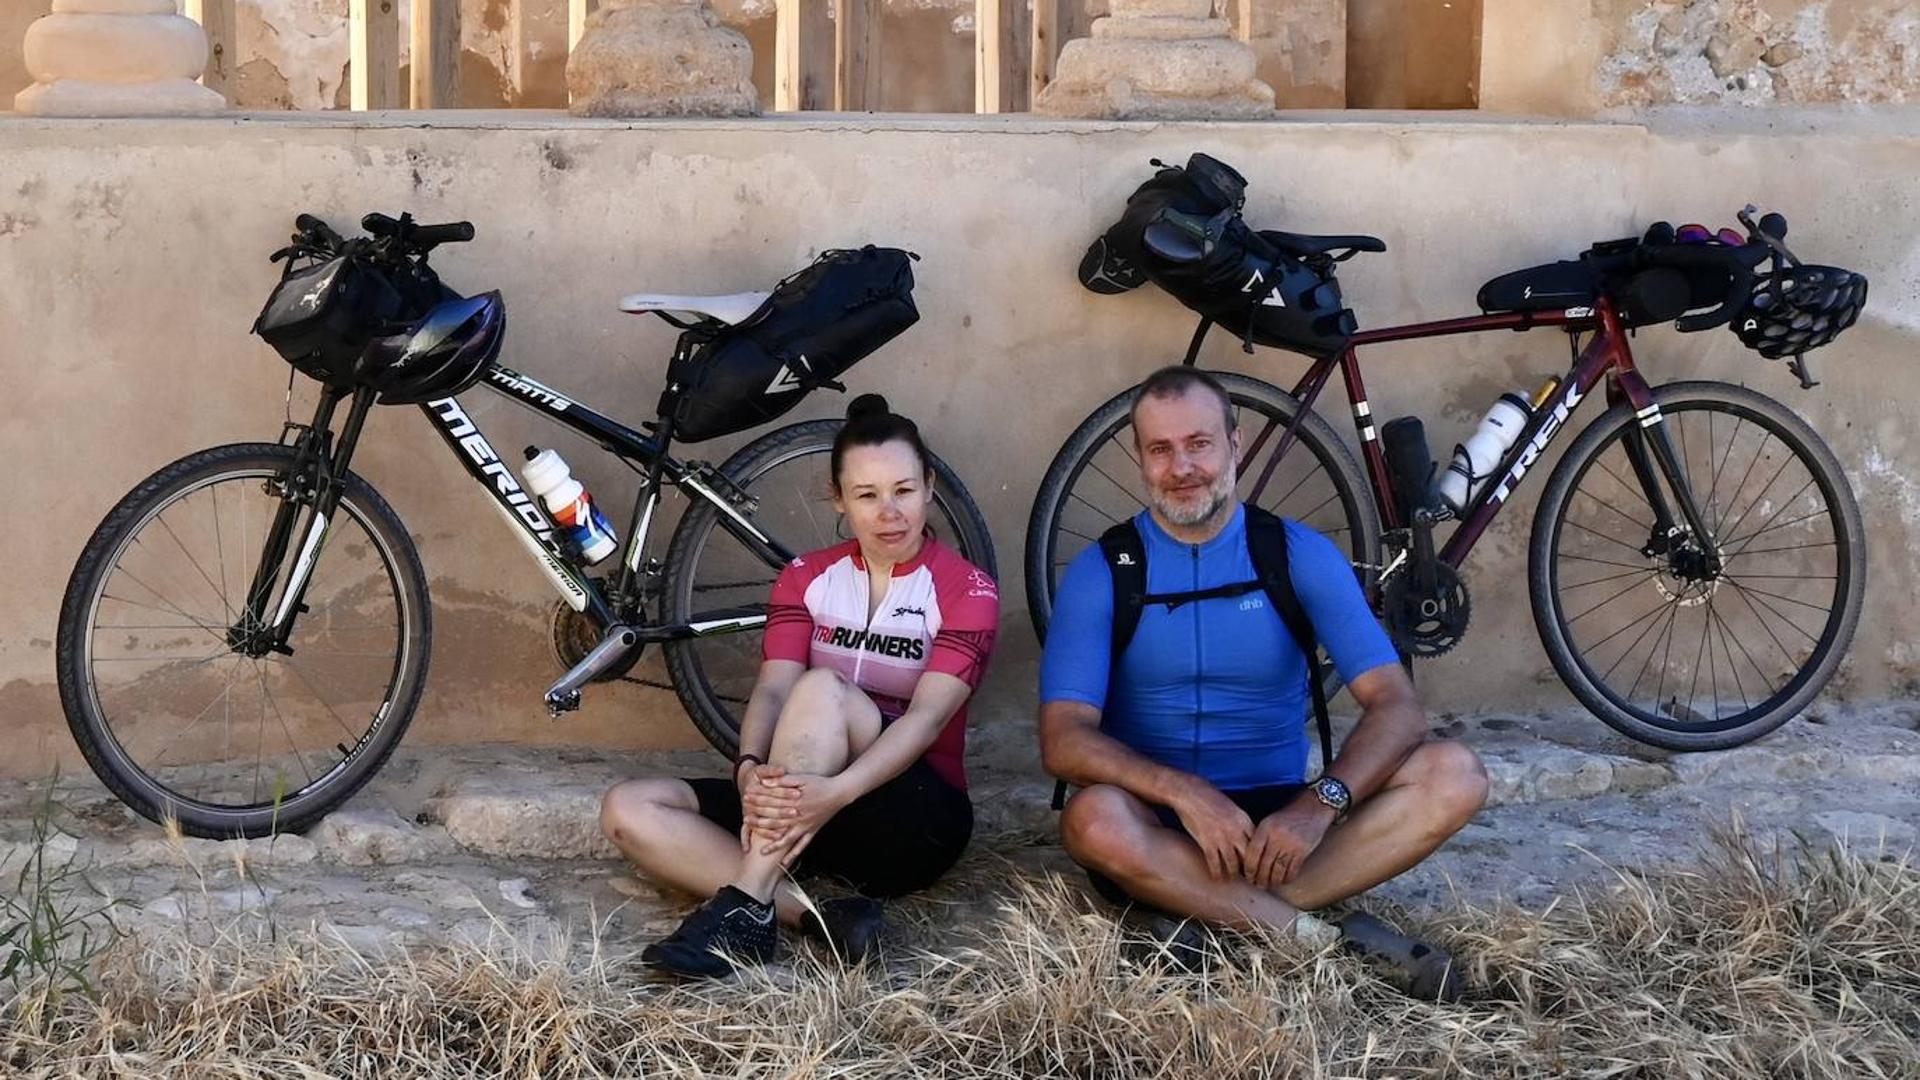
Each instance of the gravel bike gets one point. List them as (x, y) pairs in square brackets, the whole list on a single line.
[(1697, 558), (246, 635)]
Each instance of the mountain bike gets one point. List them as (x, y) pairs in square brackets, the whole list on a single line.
[(1697, 558), (246, 635)]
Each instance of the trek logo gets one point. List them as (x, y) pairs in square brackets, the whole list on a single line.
[(896, 646), (461, 428), (786, 380), (1538, 445), (526, 387), (899, 611)]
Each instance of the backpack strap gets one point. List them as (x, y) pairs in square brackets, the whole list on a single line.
[(1267, 542), (1126, 555)]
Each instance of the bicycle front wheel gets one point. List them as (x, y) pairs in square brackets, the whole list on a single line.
[(784, 478), (1641, 624), (176, 694), (1094, 483)]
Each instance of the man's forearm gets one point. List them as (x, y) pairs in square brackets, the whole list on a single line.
[(1388, 733), (1087, 756)]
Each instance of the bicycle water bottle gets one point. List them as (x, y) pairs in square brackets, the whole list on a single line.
[(1475, 459), (550, 481)]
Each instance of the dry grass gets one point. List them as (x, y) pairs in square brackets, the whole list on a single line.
[(1757, 961)]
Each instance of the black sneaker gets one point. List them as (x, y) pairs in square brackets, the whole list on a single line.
[(851, 926), (1185, 945), (1415, 968), (730, 927)]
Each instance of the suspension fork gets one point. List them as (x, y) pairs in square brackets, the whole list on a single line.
[(316, 479)]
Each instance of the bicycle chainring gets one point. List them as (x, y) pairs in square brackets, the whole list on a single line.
[(573, 635), (1430, 625)]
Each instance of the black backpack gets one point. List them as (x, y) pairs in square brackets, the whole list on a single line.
[(1126, 556)]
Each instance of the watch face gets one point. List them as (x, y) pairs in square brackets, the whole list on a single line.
[(1333, 792)]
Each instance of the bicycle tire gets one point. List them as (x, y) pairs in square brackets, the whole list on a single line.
[(707, 708), (1314, 435), (94, 733), (1547, 578)]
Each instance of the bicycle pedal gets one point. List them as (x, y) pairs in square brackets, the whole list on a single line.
[(562, 703)]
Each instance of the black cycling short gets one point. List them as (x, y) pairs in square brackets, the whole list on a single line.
[(898, 838), (1258, 802)]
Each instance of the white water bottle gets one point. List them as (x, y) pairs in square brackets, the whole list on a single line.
[(549, 479), (1475, 459)]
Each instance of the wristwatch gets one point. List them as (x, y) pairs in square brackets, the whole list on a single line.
[(1331, 792)]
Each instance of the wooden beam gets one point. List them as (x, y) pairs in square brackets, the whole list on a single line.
[(577, 12), (436, 54), (1243, 20), (802, 50), (373, 49), (216, 19), (856, 76), (1047, 25), (1000, 50)]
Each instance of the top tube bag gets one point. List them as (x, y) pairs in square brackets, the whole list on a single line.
[(818, 323)]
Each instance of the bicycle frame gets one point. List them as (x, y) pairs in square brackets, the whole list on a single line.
[(1648, 448), (523, 513)]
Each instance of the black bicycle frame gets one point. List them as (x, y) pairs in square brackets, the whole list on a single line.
[(522, 511)]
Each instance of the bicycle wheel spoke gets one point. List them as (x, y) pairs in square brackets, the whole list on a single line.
[(1768, 527), (1775, 612), (1715, 486), (1604, 603), (1637, 572), (1757, 617), (1635, 621), (219, 634), (1738, 578), (1124, 448), (1603, 536), (1727, 640), (1665, 630), (1761, 496), (223, 696), (161, 520), (1602, 562), (292, 744), (1111, 520), (1634, 488), (300, 674), (1734, 495), (1652, 619)]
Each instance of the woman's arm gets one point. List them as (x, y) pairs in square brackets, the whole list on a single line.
[(936, 697)]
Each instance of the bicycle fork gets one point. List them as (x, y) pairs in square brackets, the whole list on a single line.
[(1649, 447)]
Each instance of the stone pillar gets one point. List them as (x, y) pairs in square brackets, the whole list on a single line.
[(115, 58), (660, 58), (1158, 60)]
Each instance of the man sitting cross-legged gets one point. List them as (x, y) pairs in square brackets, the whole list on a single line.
[(1188, 741)]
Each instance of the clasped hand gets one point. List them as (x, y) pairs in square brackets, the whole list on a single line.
[(1268, 854), (781, 812)]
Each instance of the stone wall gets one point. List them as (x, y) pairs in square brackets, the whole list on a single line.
[(133, 258), (1413, 54), (1577, 58)]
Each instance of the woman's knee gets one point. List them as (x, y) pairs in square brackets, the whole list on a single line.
[(632, 811)]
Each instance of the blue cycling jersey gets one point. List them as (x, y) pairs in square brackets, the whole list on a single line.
[(1213, 687)]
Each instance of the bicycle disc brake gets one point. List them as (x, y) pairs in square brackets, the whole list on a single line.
[(1432, 624)]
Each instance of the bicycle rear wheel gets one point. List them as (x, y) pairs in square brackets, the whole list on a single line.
[(172, 691), (1094, 483), (1641, 626), (784, 474)]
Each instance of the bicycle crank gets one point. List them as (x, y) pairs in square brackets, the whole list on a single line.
[(564, 696), (1427, 623)]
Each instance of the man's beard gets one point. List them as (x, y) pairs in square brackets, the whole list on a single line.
[(1219, 494)]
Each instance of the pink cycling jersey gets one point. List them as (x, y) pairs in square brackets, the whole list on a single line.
[(940, 614)]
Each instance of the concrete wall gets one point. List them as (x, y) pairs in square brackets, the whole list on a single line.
[(133, 257), (1576, 57)]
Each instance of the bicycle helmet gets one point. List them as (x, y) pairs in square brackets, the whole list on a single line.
[(440, 355), (1797, 308)]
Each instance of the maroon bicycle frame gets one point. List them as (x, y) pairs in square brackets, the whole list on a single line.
[(1607, 353)]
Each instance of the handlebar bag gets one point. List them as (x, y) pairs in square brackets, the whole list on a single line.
[(817, 323), (320, 317)]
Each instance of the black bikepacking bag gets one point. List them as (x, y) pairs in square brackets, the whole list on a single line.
[(1243, 283), (320, 317), (817, 324)]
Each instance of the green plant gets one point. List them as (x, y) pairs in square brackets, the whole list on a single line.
[(49, 935)]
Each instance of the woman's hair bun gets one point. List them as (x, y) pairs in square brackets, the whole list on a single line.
[(866, 406)]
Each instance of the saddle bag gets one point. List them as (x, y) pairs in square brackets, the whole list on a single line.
[(818, 323)]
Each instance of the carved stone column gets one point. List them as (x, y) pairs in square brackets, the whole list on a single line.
[(660, 58), (115, 58), (1158, 60)]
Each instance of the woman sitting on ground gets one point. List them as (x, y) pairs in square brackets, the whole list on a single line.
[(851, 743)]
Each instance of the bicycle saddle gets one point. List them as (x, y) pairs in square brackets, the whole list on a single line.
[(1300, 245), (732, 309)]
